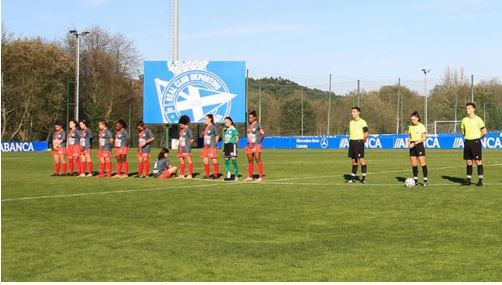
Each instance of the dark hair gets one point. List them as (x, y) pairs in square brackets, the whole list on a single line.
[(416, 114), (253, 113), (185, 120), (58, 123), (211, 117), (121, 122), (163, 151), (74, 121), (471, 104), (230, 119), (85, 122), (356, 108), (140, 124), (102, 122)]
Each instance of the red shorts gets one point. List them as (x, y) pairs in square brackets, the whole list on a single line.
[(121, 150), (73, 150), (209, 153), (144, 154), (165, 174), (184, 155), (85, 151), (104, 153), (253, 149), (59, 151)]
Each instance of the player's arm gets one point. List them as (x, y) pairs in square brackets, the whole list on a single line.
[(365, 130), (111, 138), (237, 138), (262, 133), (422, 139), (483, 132), (462, 130), (149, 140)]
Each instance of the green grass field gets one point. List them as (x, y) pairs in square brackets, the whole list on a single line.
[(302, 224)]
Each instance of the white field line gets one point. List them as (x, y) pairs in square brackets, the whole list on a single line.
[(219, 181)]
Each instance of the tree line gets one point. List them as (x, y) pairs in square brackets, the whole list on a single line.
[(38, 88)]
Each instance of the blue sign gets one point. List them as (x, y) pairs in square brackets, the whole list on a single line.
[(194, 88), (440, 141), (24, 146)]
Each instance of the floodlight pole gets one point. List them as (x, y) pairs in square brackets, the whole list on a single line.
[(175, 29), (77, 83), (329, 105), (425, 71)]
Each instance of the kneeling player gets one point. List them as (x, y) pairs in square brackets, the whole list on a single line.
[(473, 129), (230, 141), (162, 167), (418, 135)]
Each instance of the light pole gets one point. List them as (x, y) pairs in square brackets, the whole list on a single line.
[(77, 35), (425, 71)]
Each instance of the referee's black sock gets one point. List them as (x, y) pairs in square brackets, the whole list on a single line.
[(354, 171), (469, 172), (415, 173), (425, 171), (363, 170), (480, 172)]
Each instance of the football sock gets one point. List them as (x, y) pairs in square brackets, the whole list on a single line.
[(480, 172), (206, 169), (216, 169), (236, 167), (425, 171), (469, 171), (190, 168), (250, 169), (146, 166), (260, 169)]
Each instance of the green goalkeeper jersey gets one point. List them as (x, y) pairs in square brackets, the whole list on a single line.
[(230, 135)]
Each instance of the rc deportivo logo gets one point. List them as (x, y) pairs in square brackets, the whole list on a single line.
[(194, 91)]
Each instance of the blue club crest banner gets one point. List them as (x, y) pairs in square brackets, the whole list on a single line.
[(194, 88)]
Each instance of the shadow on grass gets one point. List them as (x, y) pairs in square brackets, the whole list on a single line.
[(400, 178), (454, 179)]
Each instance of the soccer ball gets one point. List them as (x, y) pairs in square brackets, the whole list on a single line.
[(409, 182)]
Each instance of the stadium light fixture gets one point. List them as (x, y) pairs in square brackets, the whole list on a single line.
[(77, 80)]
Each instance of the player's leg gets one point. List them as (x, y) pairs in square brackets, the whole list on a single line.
[(118, 158), (469, 172), (425, 171), (205, 164), (250, 156), (102, 164), (364, 168), (259, 162), (479, 164), (140, 165), (216, 167), (109, 165), (352, 178), (190, 167), (182, 168), (62, 158), (227, 168), (88, 160), (146, 164), (71, 164), (125, 165), (414, 168), (236, 168), (57, 166)]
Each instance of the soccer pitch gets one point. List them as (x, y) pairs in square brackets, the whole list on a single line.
[(302, 224)]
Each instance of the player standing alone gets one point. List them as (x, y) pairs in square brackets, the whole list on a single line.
[(473, 128), (73, 147), (58, 149), (210, 151), (230, 141), (144, 149), (418, 135), (358, 134), (121, 148), (105, 149), (185, 147), (256, 134)]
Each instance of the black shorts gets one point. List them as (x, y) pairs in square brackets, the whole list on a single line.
[(230, 150), (356, 149), (473, 150), (418, 150)]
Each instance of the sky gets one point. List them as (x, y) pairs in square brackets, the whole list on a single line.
[(303, 40)]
